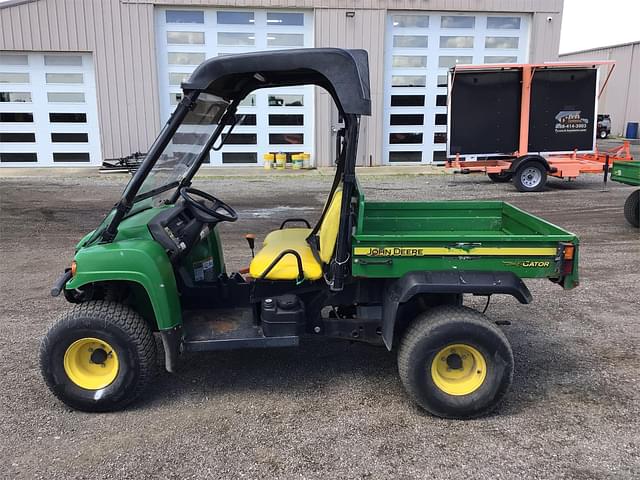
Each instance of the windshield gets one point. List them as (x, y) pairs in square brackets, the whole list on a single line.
[(183, 149), (174, 162)]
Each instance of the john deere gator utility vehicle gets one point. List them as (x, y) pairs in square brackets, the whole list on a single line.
[(385, 273)]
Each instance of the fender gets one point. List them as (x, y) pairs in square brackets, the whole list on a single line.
[(446, 282), (141, 261), (527, 158)]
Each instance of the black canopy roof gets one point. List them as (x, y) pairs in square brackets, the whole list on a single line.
[(343, 73)]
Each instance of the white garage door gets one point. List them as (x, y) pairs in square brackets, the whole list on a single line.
[(420, 48), (48, 113), (276, 120)]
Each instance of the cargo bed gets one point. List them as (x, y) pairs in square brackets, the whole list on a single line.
[(393, 238), (626, 172)]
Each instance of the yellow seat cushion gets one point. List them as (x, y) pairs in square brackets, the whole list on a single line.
[(296, 239), (287, 268), (287, 234)]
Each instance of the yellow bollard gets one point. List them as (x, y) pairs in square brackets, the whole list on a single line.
[(268, 161), (281, 160)]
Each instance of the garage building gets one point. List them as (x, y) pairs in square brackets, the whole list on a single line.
[(83, 80)]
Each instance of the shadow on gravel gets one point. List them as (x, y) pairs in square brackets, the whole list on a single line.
[(311, 368), (544, 368)]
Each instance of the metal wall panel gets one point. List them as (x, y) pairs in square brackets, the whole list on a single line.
[(365, 30), (621, 97), (545, 36), (121, 39)]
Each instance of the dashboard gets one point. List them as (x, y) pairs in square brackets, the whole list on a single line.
[(177, 230)]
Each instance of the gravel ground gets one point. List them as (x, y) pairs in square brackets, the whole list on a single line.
[(331, 409)]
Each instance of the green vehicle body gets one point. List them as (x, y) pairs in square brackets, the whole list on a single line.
[(391, 239), (626, 172)]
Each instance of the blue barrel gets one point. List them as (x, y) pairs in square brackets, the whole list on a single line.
[(632, 130)]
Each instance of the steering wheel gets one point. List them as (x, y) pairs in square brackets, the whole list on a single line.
[(217, 212)]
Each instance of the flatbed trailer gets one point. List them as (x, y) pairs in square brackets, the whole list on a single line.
[(629, 174), (564, 166), (528, 122)]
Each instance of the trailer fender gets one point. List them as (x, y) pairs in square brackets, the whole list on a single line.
[(446, 282), (527, 158)]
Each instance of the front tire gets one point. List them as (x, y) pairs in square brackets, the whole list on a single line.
[(98, 357), (530, 177), (603, 134), (454, 363), (632, 210)]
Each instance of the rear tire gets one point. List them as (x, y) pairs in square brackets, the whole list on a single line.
[(530, 177), (632, 209), (455, 363), (603, 134), (98, 357), (502, 177)]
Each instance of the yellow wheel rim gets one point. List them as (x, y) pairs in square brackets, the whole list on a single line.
[(458, 369), (91, 363)]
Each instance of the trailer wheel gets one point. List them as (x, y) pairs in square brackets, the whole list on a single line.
[(98, 357), (455, 363), (502, 177), (632, 209), (530, 177)]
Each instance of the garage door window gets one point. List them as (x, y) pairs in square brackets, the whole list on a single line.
[(500, 59), (411, 41), (63, 60), (501, 42), (448, 21), (18, 157), (184, 16), (410, 21), (16, 117), (185, 58), (68, 117), (284, 19), (503, 23), (15, 97), (65, 97), (18, 137), (456, 42), (235, 18), (11, 77), (12, 59), (185, 38)]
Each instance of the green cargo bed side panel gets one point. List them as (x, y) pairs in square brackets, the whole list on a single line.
[(138, 260), (626, 172)]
